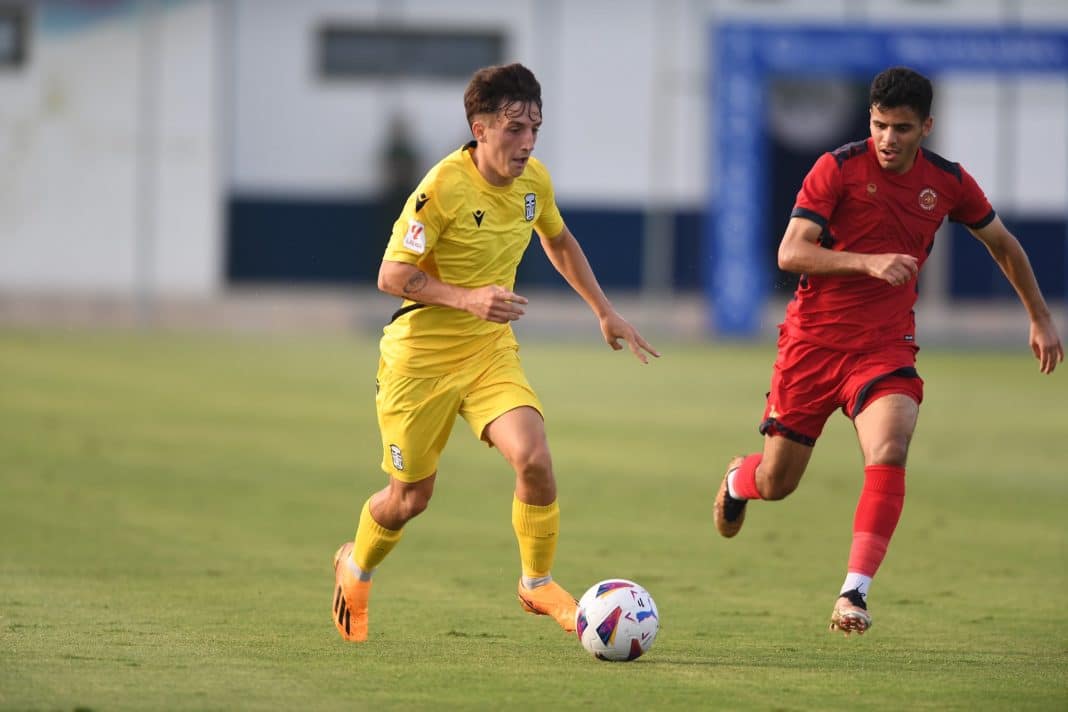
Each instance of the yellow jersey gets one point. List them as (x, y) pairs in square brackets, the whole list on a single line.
[(464, 231)]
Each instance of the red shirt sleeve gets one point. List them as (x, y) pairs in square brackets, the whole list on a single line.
[(820, 191), (973, 209)]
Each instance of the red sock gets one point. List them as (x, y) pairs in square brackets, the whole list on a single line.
[(745, 478), (878, 512)]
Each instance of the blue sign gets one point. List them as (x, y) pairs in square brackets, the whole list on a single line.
[(744, 55)]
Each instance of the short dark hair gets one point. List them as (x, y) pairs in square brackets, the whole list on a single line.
[(901, 86), (496, 88)]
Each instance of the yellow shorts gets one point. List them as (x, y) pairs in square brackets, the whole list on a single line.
[(416, 415)]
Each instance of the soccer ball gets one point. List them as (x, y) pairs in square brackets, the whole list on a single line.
[(617, 620)]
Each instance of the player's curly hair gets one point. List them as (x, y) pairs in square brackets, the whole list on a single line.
[(901, 86), (500, 88)]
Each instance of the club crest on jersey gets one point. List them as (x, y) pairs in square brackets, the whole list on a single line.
[(398, 459), (529, 204), (928, 199), (872, 188), (415, 238)]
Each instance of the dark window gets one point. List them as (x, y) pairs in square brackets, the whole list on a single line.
[(347, 52), (13, 26)]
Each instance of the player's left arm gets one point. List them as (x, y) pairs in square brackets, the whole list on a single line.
[(566, 255), (1012, 259)]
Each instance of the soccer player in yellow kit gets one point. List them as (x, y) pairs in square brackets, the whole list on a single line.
[(450, 348)]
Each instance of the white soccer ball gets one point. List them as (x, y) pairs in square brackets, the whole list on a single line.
[(617, 620)]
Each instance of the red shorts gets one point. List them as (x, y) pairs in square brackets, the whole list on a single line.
[(809, 382)]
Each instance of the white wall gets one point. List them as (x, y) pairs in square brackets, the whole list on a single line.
[(109, 150), (296, 134), (188, 202), (122, 137), (625, 87)]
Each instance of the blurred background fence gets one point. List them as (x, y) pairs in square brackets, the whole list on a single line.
[(239, 162)]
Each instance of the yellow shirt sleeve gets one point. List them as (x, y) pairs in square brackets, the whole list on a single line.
[(549, 223), (424, 218)]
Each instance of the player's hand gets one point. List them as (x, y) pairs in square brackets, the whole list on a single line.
[(614, 327), (1046, 344), (895, 269), (494, 303)]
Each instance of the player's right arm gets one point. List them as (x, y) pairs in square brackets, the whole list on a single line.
[(800, 252), (408, 281)]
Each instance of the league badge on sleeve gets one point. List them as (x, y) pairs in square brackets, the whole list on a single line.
[(415, 238)]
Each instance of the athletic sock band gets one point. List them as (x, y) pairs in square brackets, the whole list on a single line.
[(878, 512), (373, 541), (536, 528), (744, 480)]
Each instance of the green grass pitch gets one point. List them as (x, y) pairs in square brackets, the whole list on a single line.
[(169, 506)]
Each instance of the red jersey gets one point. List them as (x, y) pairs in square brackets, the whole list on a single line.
[(863, 208)]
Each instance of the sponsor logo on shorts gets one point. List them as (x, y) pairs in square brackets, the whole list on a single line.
[(398, 459), (415, 238), (530, 202)]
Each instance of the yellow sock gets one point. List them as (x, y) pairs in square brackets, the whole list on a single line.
[(373, 541), (536, 528)]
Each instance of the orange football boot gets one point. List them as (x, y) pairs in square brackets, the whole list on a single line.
[(550, 600), (350, 597)]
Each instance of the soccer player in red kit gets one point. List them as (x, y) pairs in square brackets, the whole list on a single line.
[(862, 227)]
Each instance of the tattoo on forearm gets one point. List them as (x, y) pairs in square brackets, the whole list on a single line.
[(415, 283)]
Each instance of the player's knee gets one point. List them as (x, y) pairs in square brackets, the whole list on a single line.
[(533, 464), (893, 451)]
